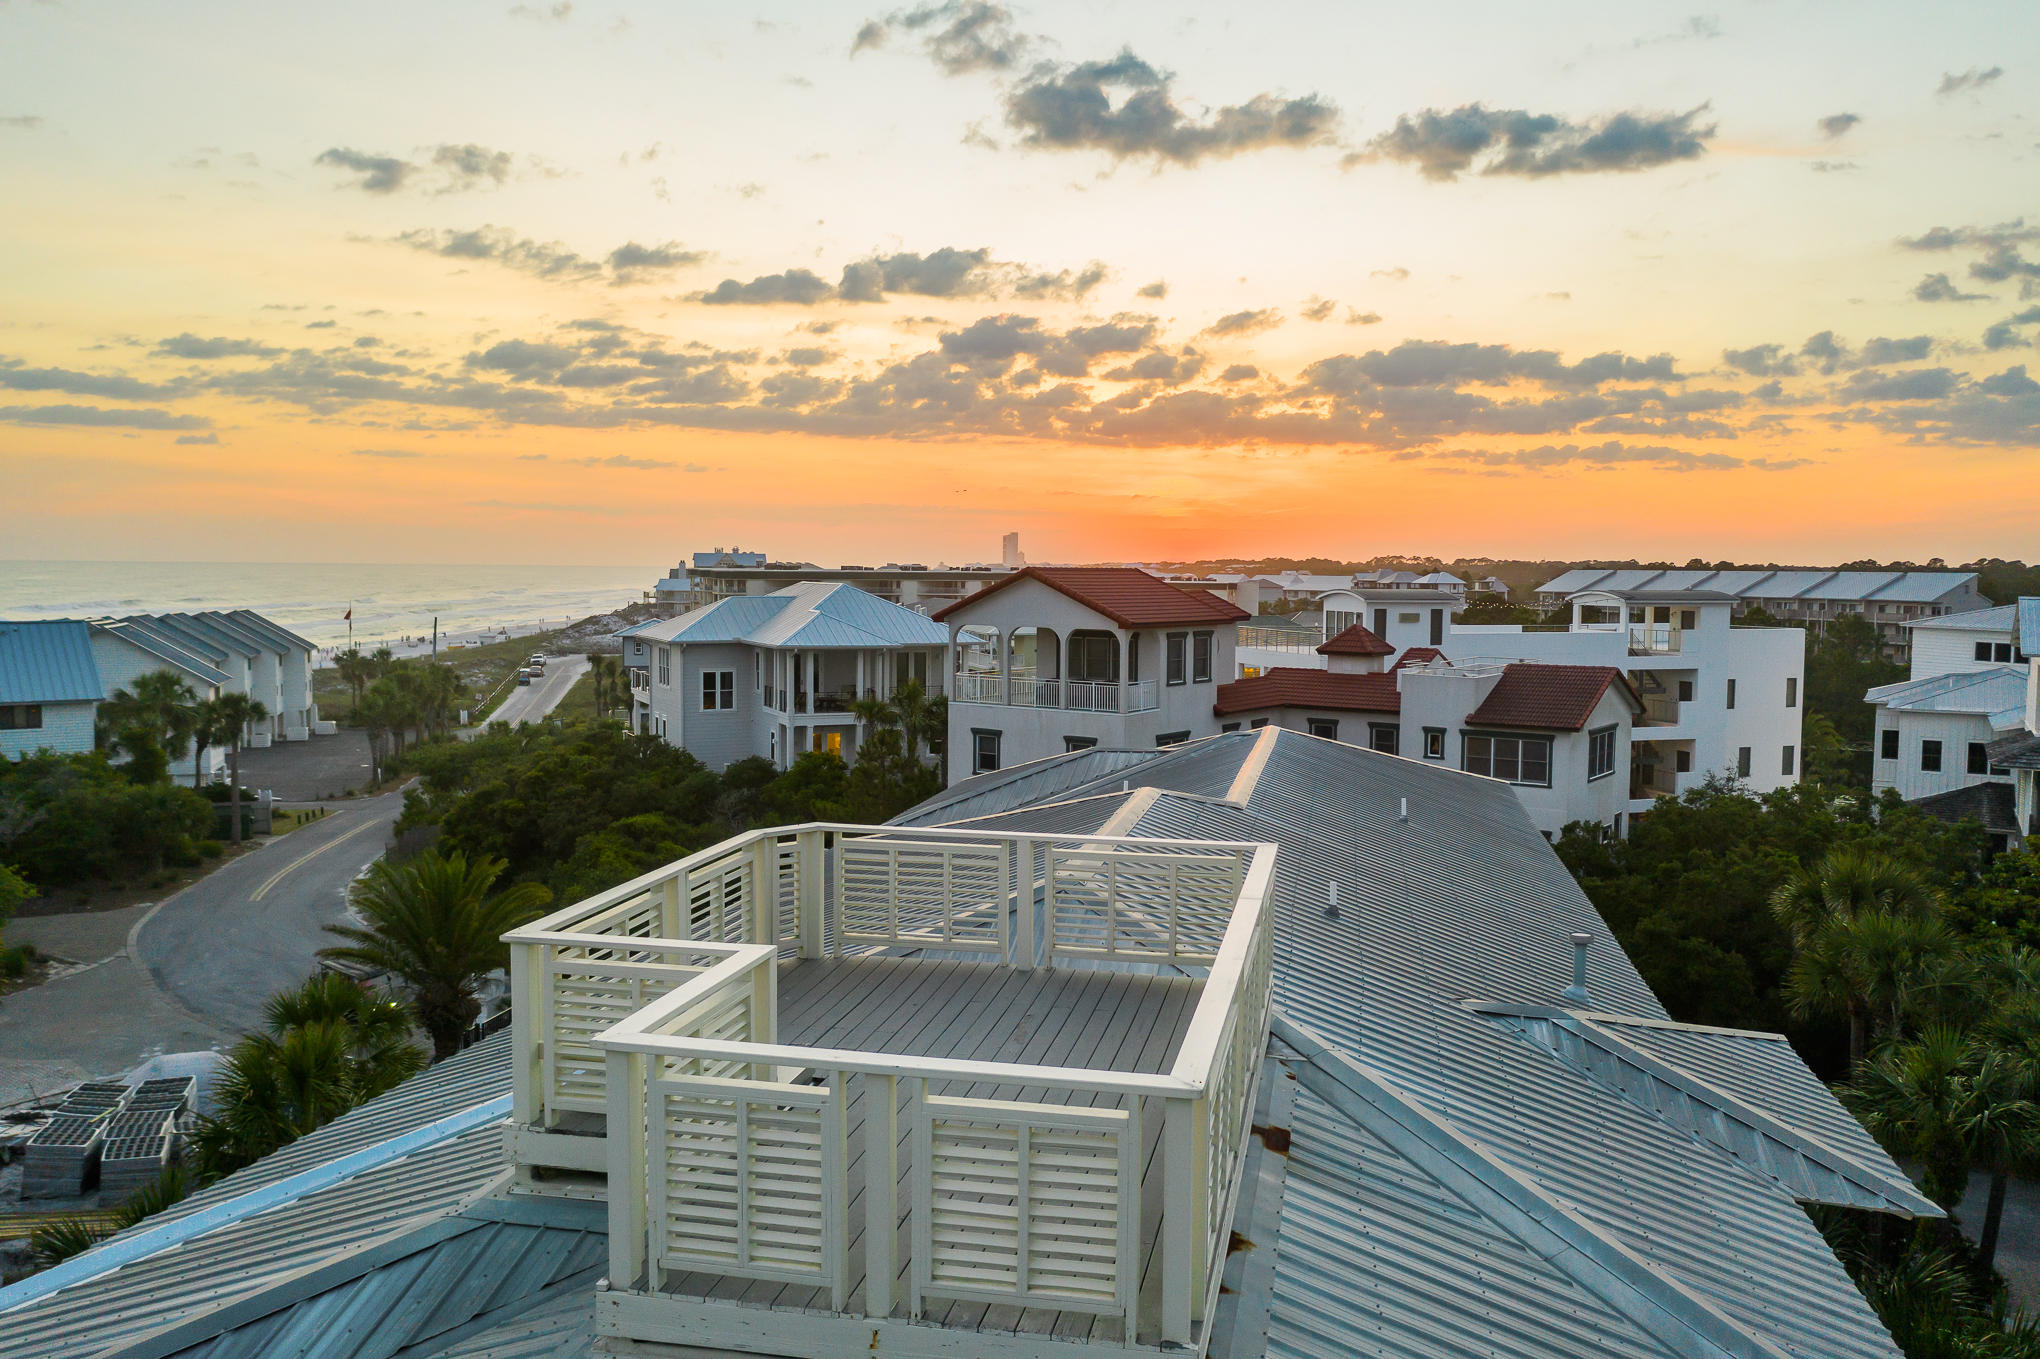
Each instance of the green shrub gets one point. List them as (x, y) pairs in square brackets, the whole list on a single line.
[(13, 962), (182, 854), (210, 849)]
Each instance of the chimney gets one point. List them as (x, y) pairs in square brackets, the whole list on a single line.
[(1577, 992)]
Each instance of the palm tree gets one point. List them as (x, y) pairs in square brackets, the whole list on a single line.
[(610, 683), (209, 728), (237, 712), (433, 922), (155, 715), (356, 670), (1864, 926), (379, 1025), (920, 717), (1951, 1100)]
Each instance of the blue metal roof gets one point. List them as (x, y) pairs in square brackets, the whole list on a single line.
[(48, 662), (156, 645), (812, 615), (2029, 624)]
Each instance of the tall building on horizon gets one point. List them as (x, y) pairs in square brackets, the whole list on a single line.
[(1010, 553)]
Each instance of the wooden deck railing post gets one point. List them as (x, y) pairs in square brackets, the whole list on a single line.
[(1023, 903), (762, 924), (629, 1226), (1179, 1230), (813, 864), (525, 1035), (881, 1192), (671, 921)]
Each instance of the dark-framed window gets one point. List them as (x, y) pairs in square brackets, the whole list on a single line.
[(1930, 756), (1093, 657), (1689, 619), (1983, 651), (1172, 738), (1682, 761), (1887, 743), (1434, 743), (1326, 727), (1385, 737), (1200, 657), (1512, 759), (21, 716), (1731, 693), (984, 750), (2002, 652), (1437, 627), (718, 690), (665, 665), (1979, 758), (1685, 691), (1600, 753), (1078, 743), (1178, 669), (1742, 760), (1785, 765), (1792, 691)]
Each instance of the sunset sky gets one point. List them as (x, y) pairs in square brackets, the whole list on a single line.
[(592, 282)]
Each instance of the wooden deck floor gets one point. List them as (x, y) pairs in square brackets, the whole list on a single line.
[(976, 1012)]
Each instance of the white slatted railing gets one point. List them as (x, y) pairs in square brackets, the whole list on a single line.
[(1111, 902), (941, 894), (586, 991), (746, 1179), (1029, 1205)]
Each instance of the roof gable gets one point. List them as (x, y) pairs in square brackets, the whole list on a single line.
[(1127, 595), (48, 662), (1356, 641)]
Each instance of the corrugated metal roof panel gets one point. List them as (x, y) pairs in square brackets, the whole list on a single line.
[(283, 637), (1573, 581), (2029, 625), (2003, 618), (1855, 585), (1051, 778), (1997, 692), (1922, 587), (48, 662), (561, 1329), (1790, 584)]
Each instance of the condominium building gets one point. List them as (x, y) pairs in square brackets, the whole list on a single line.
[(1719, 700), (780, 674), (719, 575), (1890, 600), (1051, 659)]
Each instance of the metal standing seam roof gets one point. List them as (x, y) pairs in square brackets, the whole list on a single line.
[(2002, 618), (48, 662), (284, 638), (1997, 692), (231, 642), (2029, 624), (815, 615), (1760, 583), (200, 645), (162, 650), (1464, 901)]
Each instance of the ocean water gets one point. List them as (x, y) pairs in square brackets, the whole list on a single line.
[(390, 603)]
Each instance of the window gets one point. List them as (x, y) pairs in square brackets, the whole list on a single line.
[(1381, 624), (719, 690), (1742, 763), (2002, 652), (1434, 743), (1409, 618), (1682, 761), (1200, 657), (20, 716), (1172, 738), (1930, 756), (1792, 691), (758, 670), (1258, 723), (1685, 691), (1600, 753), (984, 750), (1071, 743), (1437, 627), (1224, 727), (1785, 765), (829, 741), (1094, 657), (1689, 619), (1888, 743), (1979, 758), (1385, 737), (1731, 693), (1179, 657), (1512, 759), (665, 665), (1983, 651), (1249, 671), (1325, 727)]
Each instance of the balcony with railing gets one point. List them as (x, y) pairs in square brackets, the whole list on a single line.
[(847, 1082), (1654, 639), (1027, 691)]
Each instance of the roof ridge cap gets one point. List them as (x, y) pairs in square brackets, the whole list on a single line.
[(1683, 1320)]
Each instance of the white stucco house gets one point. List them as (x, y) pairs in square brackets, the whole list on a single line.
[(777, 675), (1558, 735), (1050, 659)]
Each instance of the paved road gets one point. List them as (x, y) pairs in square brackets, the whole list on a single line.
[(530, 702), (193, 973)]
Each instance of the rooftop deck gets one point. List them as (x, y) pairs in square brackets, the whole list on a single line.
[(1049, 1047)]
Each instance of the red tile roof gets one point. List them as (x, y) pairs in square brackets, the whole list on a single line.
[(1549, 697), (1420, 655), (1356, 641), (1285, 687), (1127, 595)]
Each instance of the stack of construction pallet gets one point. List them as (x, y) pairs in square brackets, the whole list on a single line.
[(174, 1093), (137, 1148), (61, 1159)]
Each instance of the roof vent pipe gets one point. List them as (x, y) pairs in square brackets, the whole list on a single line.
[(1577, 992), (1403, 813), (1331, 901)]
